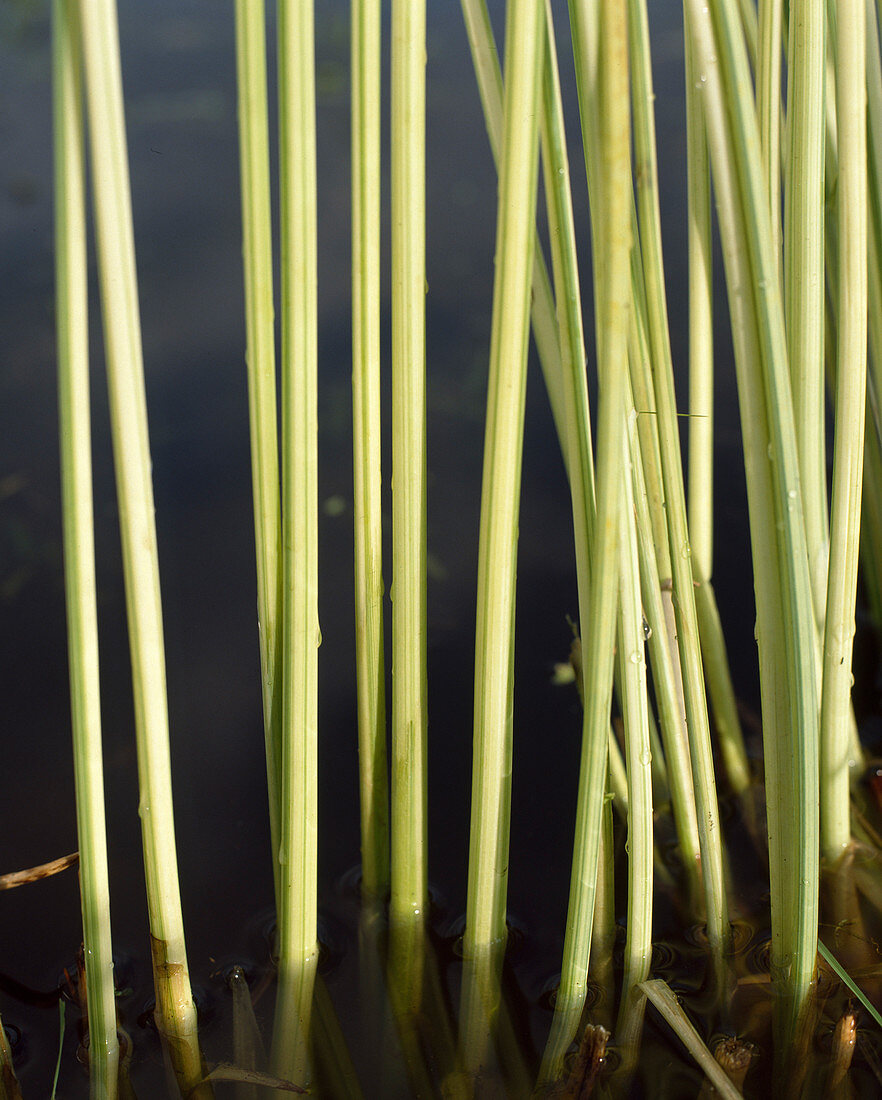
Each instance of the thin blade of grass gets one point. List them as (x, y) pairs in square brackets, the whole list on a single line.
[(847, 980)]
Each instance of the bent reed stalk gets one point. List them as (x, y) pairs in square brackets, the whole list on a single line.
[(643, 546)]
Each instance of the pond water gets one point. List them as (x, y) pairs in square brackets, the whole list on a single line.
[(178, 62)]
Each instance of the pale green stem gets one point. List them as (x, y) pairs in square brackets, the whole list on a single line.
[(261, 362), (175, 1010), (804, 274), (871, 529), (874, 200), (701, 337), (614, 243), (849, 430), (697, 722), (605, 930), (727, 724), (768, 109), (783, 593), (366, 449), (296, 916), (638, 757), (72, 310), (409, 734), (749, 24), (545, 327), (663, 652), (9, 1089), (874, 284), (497, 549)]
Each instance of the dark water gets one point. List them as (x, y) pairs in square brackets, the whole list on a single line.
[(178, 62)]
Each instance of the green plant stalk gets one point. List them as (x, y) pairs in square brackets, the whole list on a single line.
[(786, 630), (409, 735), (638, 757), (849, 430), (577, 446), (605, 929), (485, 60), (804, 274), (366, 450), (701, 337), (701, 437), (573, 384), (72, 311), (770, 16), (663, 652), (874, 200), (661, 791), (614, 243), (747, 13), (175, 1010), (655, 563), (500, 493), (261, 362), (831, 173), (871, 525), (298, 892), (730, 738), (697, 724)]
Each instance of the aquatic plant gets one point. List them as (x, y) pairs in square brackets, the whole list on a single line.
[(654, 760)]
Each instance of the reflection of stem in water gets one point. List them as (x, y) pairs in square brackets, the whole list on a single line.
[(334, 1067), (479, 1009), (248, 1052)]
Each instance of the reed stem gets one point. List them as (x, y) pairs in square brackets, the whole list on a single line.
[(409, 731), (612, 107), (500, 494), (366, 450), (297, 903), (261, 361), (849, 431), (72, 311), (175, 1010)]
